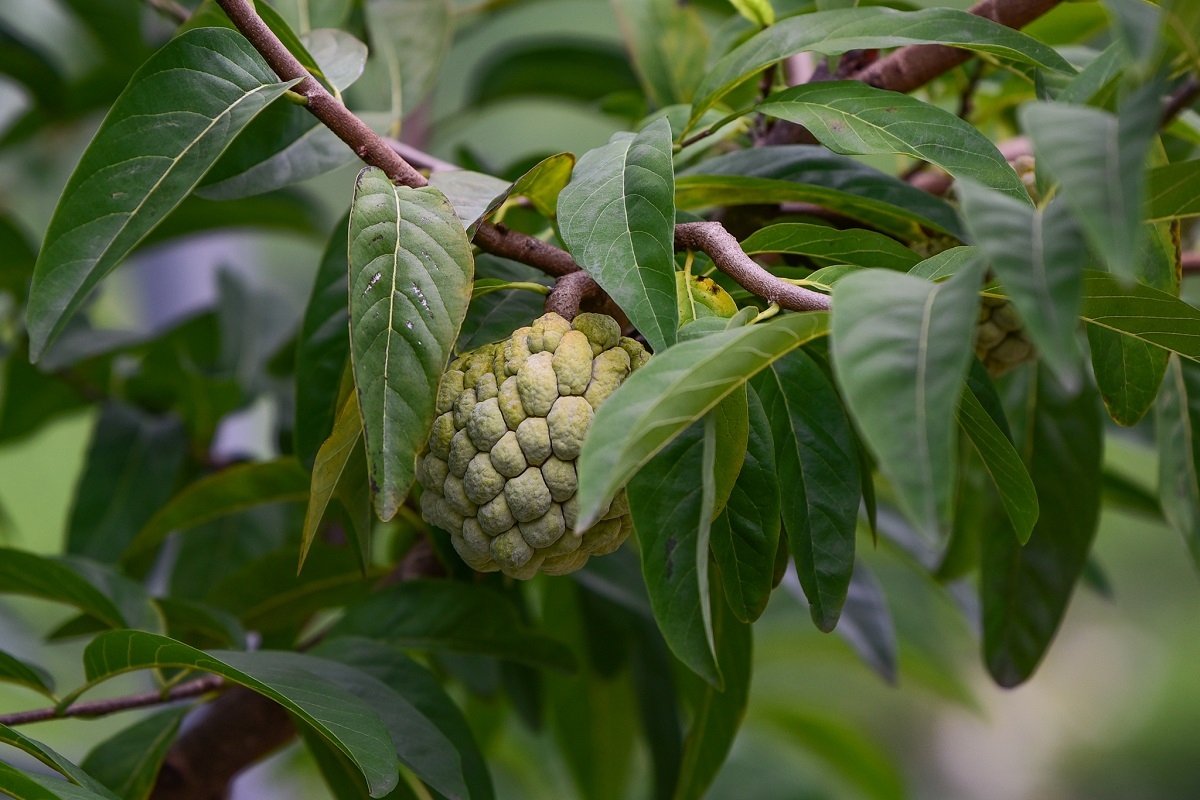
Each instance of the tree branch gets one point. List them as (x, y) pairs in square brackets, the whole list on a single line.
[(1180, 99), (100, 708), (727, 254)]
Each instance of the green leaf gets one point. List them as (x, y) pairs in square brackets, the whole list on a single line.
[(22, 786), (340, 56), (945, 264), (716, 713), (287, 210), (1003, 463), (303, 15), (229, 491), (1099, 159), (1093, 78), (1039, 256), (151, 150), (829, 246), (852, 118), (1172, 191), (818, 463), (745, 537), (676, 388), (23, 673), (187, 619), (901, 347), (290, 679), (759, 12), (866, 623), (858, 189), (421, 689), (412, 38), (129, 473), (340, 471), (344, 781), (455, 617), (472, 194), (322, 348), (36, 576), (834, 32), (671, 500), (1025, 589), (410, 283), (128, 762), (668, 44), (50, 758), (1177, 421), (544, 182), (617, 217), (1142, 313)]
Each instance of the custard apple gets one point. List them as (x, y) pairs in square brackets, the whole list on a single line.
[(1000, 340), (499, 467)]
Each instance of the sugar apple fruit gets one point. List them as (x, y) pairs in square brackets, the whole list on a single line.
[(1000, 340), (499, 467)]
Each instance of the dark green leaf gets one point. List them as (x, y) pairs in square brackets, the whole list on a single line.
[(50, 758), (1025, 589), (834, 32), (671, 501), (36, 576), (129, 474), (1172, 191), (945, 264), (852, 118), (676, 388), (153, 147), (901, 347), (1142, 313), (617, 217), (452, 616), (828, 246), (668, 44), (1016, 489), (293, 680), (866, 623), (472, 194), (345, 782), (410, 283), (229, 491), (1039, 256), (22, 786), (745, 537), (583, 70), (287, 210), (495, 316), (23, 673), (187, 619), (411, 37), (340, 472), (128, 762), (818, 470), (1177, 423)]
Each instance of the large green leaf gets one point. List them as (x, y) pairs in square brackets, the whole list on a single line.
[(1003, 463), (14, 738), (322, 348), (130, 471), (340, 472), (901, 347), (128, 762), (411, 37), (818, 468), (1178, 434), (668, 44), (852, 118), (23, 786), (451, 616), (830, 246), (1171, 193), (1099, 159), (676, 388), (37, 576), (1145, 314), (229, 491), (671, 500), (834, 32), (23, 673), (179, 112), (1039, 256), (872, 191), (473, 194), (745, 537), (293, 680), (617, 217), (410, 283), (1025, 589)]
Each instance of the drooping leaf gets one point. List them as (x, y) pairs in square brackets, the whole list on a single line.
[(838, 31), (671, 500), (451, 616), (1177, 430), (1099, 158), (131, 466), (410, 283), (153, 147), (829, 246), (340, 471), (412, 38), (23, 673), (668, 44), (343, 780), (36, 576), (1171, 192), (322, 348), (229, 491), (852, 118), (128, 762), (745, 537), (188, 619), (293, 680), (1003, 463), (617, 217), (1145, 314), (1039, 256), (1025, 589), (818, 468), (544, 182), (44, 754), (676, 388), (866, 623), (901, 347)]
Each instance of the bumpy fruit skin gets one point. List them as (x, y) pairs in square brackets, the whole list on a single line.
[(499, 467), (1000, 340)]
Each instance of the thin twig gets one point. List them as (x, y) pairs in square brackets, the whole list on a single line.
[(100, 708), (569, 292), (420, 159), (1180, 99), (171, 9)]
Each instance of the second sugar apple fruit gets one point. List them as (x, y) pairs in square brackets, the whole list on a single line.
[(499, 467)]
